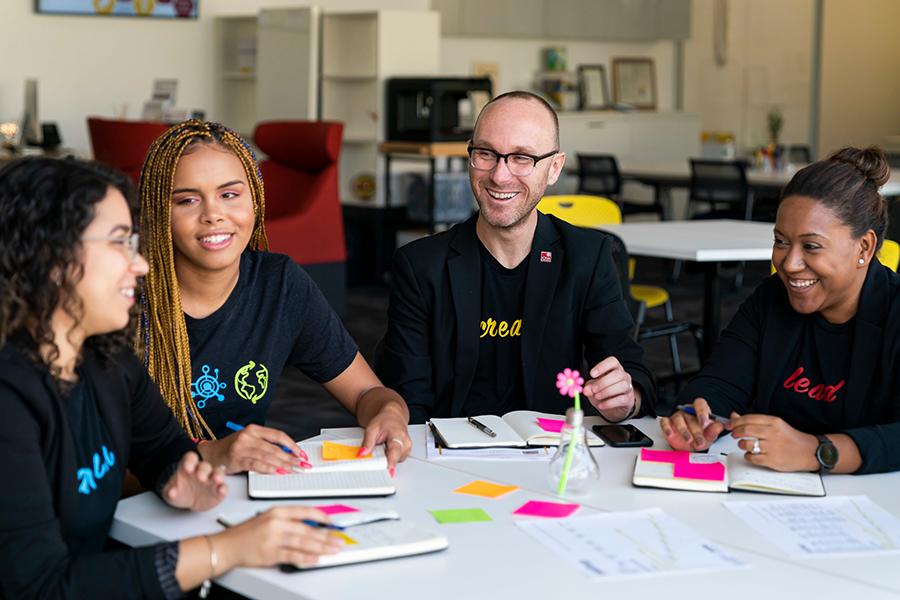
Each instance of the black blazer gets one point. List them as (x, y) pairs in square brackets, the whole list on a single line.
[(573, 312), (745, 365), (37, 504)]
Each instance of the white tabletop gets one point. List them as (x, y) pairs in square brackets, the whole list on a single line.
[(699, 241), (497, 560), (680, 172)]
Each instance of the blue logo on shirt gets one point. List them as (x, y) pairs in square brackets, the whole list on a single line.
[(87, 477), (207, 387)]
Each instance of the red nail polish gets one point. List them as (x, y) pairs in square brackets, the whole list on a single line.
[(281, 471), (391, 471), (362, 452), (305, 465)]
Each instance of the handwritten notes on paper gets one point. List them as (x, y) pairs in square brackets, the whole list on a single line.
[(485, 489), (838, 525), (550, 510), (335, 451), (634, 543)]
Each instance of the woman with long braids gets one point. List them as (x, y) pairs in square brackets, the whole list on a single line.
[(223, 317), (77, 407)]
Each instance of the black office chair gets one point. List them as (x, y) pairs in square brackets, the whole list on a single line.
[(598, 175), (722, 184), (799, 154), (893, 159)]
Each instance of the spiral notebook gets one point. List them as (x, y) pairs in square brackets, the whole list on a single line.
[(338, 478)]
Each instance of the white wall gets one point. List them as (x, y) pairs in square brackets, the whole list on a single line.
[(860, 101), (519, 59), (769, 58), (96, 65)]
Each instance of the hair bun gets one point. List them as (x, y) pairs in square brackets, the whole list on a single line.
[(870, 162)]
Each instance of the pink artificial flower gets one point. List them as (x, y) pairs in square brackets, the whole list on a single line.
[(569, 383)]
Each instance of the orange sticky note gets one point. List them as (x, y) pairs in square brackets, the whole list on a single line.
[(335, 451), (485, 489), (347, 539)]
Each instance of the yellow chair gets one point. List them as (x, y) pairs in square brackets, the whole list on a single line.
[(584, 210), (889, 256)]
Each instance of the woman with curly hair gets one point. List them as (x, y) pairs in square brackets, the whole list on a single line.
[(809, 368), (77, 408), (223, 317)]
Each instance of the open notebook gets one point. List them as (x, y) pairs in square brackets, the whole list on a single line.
[(338, 478), (675, 470), (384, 536), (515, 429)]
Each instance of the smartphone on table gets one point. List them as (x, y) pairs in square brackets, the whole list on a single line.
[(622, 436)]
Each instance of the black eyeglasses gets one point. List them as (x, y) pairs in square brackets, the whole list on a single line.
[(518, 163)]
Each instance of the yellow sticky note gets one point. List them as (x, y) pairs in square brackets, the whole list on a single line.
[(485, 489), (334, 451), (347, 539)]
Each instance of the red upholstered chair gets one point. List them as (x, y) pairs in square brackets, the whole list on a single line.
[(123, 144), (303, 211)]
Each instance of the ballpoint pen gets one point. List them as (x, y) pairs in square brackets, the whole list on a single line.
[(687, 408), (484, 428), (235, 427)]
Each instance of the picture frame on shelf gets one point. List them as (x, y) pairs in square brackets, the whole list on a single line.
[(177, 9), (593, 89), (634, 82)]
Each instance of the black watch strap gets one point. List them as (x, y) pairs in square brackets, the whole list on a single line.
[(826, 454)]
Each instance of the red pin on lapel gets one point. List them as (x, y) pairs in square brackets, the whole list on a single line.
[(546, 256)]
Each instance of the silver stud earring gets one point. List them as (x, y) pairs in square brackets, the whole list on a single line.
[(862, 261)]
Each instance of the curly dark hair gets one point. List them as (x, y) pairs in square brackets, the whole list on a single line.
[(45, 206)]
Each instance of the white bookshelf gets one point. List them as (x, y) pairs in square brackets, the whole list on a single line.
[(360, 50)]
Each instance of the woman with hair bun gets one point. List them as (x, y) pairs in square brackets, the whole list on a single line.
[(807, 370)]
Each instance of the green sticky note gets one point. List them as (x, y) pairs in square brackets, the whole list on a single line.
[(460, 515)]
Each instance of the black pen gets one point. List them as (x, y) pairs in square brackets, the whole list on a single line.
[(687, 408), (484, 428)]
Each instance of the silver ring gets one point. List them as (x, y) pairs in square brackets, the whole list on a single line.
[(756, 448), (398, 441)]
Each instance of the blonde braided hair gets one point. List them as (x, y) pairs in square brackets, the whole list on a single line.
[(162, 337)]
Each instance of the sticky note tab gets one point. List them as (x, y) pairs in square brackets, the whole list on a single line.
[(485, 489), (551, 425), (549, 510), (460, 515), (347, 539), (708, 471), (335, 451), (336, 509), (669, 456)]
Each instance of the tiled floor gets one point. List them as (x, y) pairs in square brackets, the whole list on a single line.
[(302, 407)]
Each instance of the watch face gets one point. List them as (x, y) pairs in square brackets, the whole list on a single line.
[(827, 454)]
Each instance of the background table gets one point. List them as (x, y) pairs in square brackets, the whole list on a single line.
[(708, 242), (497, 560)]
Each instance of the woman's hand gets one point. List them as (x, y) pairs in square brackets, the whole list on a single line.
[(195, 485), (388, 427), (610, 389), (690, 432), (277, 536), (255, 448), (781, 447)]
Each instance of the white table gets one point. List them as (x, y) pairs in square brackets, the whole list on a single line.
[(708, 242), (497, 560)]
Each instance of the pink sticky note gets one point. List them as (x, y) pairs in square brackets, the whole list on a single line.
[(550, 510), (669, 456), (336, 509), (708, 471), (551, 425)]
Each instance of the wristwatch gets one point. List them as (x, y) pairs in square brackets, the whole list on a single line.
[(826, 454)]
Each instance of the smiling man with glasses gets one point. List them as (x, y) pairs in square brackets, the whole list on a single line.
[(483, 316)]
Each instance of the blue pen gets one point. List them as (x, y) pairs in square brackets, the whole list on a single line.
[(318, 525), (687, 408), (235, 427)]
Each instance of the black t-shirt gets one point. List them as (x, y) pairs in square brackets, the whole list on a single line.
[(100, 472), (275, 316), (497, 386), (812, 392)]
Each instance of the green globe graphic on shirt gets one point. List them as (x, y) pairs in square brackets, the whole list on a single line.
[(251, 381)]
